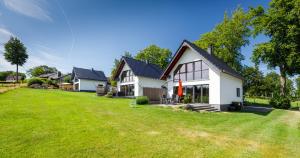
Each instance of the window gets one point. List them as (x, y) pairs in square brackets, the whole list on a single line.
[(182, 73), (176, 73), (127, 76), (189, 71), (127, 90), (197, 70), (238, 92), (204, 70)]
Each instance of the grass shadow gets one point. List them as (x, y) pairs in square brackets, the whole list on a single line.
[(258, 110)]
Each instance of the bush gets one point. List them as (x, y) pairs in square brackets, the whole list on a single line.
[(280, 102), (142, 100), (52, 83), (187, 99), (32, 81), (109, 95)]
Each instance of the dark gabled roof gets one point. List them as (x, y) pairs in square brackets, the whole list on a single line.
[(140, 68), (89, 74), (218, 63)]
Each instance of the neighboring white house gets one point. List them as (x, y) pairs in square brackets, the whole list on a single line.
[(204, 77), (138, 78), (12, 78), (87, 79)]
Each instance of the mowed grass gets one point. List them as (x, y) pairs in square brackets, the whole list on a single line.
[(6, 87), (265, 102), (53, 123)]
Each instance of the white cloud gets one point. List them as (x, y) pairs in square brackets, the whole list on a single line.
[(4, 36), (43, 55), (39, 55), (31, 8), (4, 65)]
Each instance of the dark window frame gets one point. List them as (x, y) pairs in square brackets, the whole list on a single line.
[(127, 76), (178, 71), (238, 92)]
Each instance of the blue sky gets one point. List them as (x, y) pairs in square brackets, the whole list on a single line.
[(67, 33)]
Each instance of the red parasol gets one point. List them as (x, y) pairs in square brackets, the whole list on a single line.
[(180, 92)]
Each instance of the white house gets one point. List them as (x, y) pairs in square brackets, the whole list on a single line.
[(87, 79), (204, 77), (12, 78), (138, 78)]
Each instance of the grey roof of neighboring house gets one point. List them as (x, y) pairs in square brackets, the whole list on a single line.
[(140, 68), (220, 64), (89, 74), (53, 75)]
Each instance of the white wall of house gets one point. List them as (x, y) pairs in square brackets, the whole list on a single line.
[(229, 84), (89, 85)]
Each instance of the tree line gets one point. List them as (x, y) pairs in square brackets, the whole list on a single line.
[(256, 84)]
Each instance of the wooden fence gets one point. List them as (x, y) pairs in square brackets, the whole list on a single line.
[(154, 94)]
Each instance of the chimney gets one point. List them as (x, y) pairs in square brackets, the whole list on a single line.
[(210, 49)]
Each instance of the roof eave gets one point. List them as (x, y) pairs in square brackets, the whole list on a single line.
[(90, 79), (163, 76)]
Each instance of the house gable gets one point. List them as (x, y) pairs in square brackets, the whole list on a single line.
[(190, 55), (125, 67), (210, 59)]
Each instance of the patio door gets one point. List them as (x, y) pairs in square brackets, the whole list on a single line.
[(201, 93), (127, 90), (198, 93)]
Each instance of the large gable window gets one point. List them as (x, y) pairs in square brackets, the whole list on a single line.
[(127, 76), (197, 70)]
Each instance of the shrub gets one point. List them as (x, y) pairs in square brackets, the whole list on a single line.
[(52, 83), (187, 99), (280, 102), (109, 95), (32, 81), (142, 100)]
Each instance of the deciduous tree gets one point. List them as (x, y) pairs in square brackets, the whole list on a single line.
[(253, 81), (15, 53), (281, 23), (40, 70), (155, 55), (228, 37)]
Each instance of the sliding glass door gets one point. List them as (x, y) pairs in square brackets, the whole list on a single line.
[(127, 90), (198, 93), (205, 93)]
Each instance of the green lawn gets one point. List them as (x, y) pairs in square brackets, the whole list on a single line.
[(52, 123), (265, 102)]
